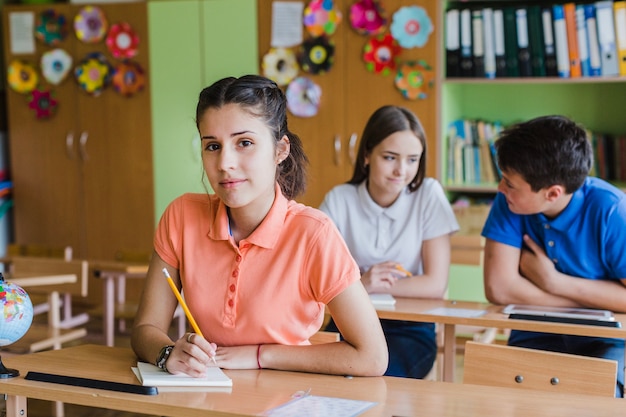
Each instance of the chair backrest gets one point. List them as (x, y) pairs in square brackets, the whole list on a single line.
[(508, 366), (324, 337), (26, 265)]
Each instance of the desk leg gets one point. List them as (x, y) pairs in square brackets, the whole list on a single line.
[(54, 314), (449, 352), (109, 313), (16, 406)]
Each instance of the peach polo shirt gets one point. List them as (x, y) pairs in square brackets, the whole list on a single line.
[(272, 287)]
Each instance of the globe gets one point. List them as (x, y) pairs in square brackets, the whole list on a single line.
[(15, 319)]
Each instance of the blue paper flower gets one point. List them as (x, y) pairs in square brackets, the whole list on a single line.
[(411, 26)]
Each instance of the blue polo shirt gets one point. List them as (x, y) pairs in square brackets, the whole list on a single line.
[(586, 240)]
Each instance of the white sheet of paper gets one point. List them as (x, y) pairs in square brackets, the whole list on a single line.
[(22, 33), (456, 312), (286, 23), (315, 406)]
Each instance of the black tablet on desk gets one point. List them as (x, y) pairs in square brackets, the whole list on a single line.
[(570, 320)]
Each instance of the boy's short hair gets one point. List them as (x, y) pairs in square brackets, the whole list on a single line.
[(546, 151)]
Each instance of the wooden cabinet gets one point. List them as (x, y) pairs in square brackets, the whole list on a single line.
[(350, 94), (83, 177)]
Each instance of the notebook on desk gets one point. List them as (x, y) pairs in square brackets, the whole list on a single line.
[(562, 315)]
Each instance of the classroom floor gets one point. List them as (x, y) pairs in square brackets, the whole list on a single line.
[(38, 408)]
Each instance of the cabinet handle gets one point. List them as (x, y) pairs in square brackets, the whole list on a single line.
[(337, 150), (352, 148), (69, 145), (82, 141)]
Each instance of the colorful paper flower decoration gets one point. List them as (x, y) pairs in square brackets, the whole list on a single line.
[(411, 26), (22, 77), (367, 17), (321, 17), (280, 65), (90, 24), (381, 53), (43, 104), (122, 41), (415, 80), (55, 65), (303, 97), (128, 78), (93, 73), (51, 27), (316, 55)]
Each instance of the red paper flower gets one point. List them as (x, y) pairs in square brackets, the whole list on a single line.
[(43, 104), (380, 54)]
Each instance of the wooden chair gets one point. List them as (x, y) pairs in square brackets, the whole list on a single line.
[(62, 325), (508, 366)]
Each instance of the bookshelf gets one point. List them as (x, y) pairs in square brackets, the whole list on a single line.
[(595, 102)]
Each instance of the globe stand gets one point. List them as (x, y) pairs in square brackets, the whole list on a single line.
[(7, 372)]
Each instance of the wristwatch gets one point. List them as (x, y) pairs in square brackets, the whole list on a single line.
[(162, 357)]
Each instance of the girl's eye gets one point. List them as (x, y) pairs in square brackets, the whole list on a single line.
[(212, 147), (245, 143), (413, 160), (389, 158)]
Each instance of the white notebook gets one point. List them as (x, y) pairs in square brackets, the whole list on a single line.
[(382, 300), (150, 375)]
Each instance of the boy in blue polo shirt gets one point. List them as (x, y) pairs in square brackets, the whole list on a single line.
[(555, 236)]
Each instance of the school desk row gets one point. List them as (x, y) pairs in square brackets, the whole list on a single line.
[(254, 392)]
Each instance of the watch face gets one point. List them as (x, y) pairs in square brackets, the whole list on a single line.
[(163, 355)]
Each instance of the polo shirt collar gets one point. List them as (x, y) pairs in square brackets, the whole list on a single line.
[(395, 211), (268, 231)]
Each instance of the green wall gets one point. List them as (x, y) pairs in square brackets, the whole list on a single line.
[(192, 44)]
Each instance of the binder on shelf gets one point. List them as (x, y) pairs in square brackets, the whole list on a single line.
[(498, 42), (536, 42), (510, 42), (467, 63), (619, 11), (453, 44), (606, 37), (549, 50), (488, 38), (569, 10), (560, 41), (595, 66), (523, 46), (583, 41), (478, 47)]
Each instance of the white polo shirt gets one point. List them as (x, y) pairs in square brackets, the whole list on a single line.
[(377, 234)]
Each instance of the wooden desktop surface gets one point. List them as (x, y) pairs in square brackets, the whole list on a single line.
[(415, 309), (255, 391)]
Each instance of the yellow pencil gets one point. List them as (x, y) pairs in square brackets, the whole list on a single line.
[(404, 271), (182, 303)]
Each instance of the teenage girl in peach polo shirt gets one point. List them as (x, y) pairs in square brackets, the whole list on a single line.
[(255, 267)]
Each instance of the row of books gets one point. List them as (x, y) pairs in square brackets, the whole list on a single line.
[(472, 158), (567, 40)]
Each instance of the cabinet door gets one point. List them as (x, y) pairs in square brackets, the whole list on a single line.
[(350, 94), (118, 194), (44, 162)]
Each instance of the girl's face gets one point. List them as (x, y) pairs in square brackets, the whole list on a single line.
[(240, 156), (393, 164)]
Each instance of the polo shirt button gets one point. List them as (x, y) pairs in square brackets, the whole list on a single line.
[(551, 243), (232, 288), (236, 273), (238, 259), (230, 303), (546, 226)]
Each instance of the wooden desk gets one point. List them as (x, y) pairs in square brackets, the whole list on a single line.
[(412, 309), (53, 336), (114, 275), (255, 391)]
